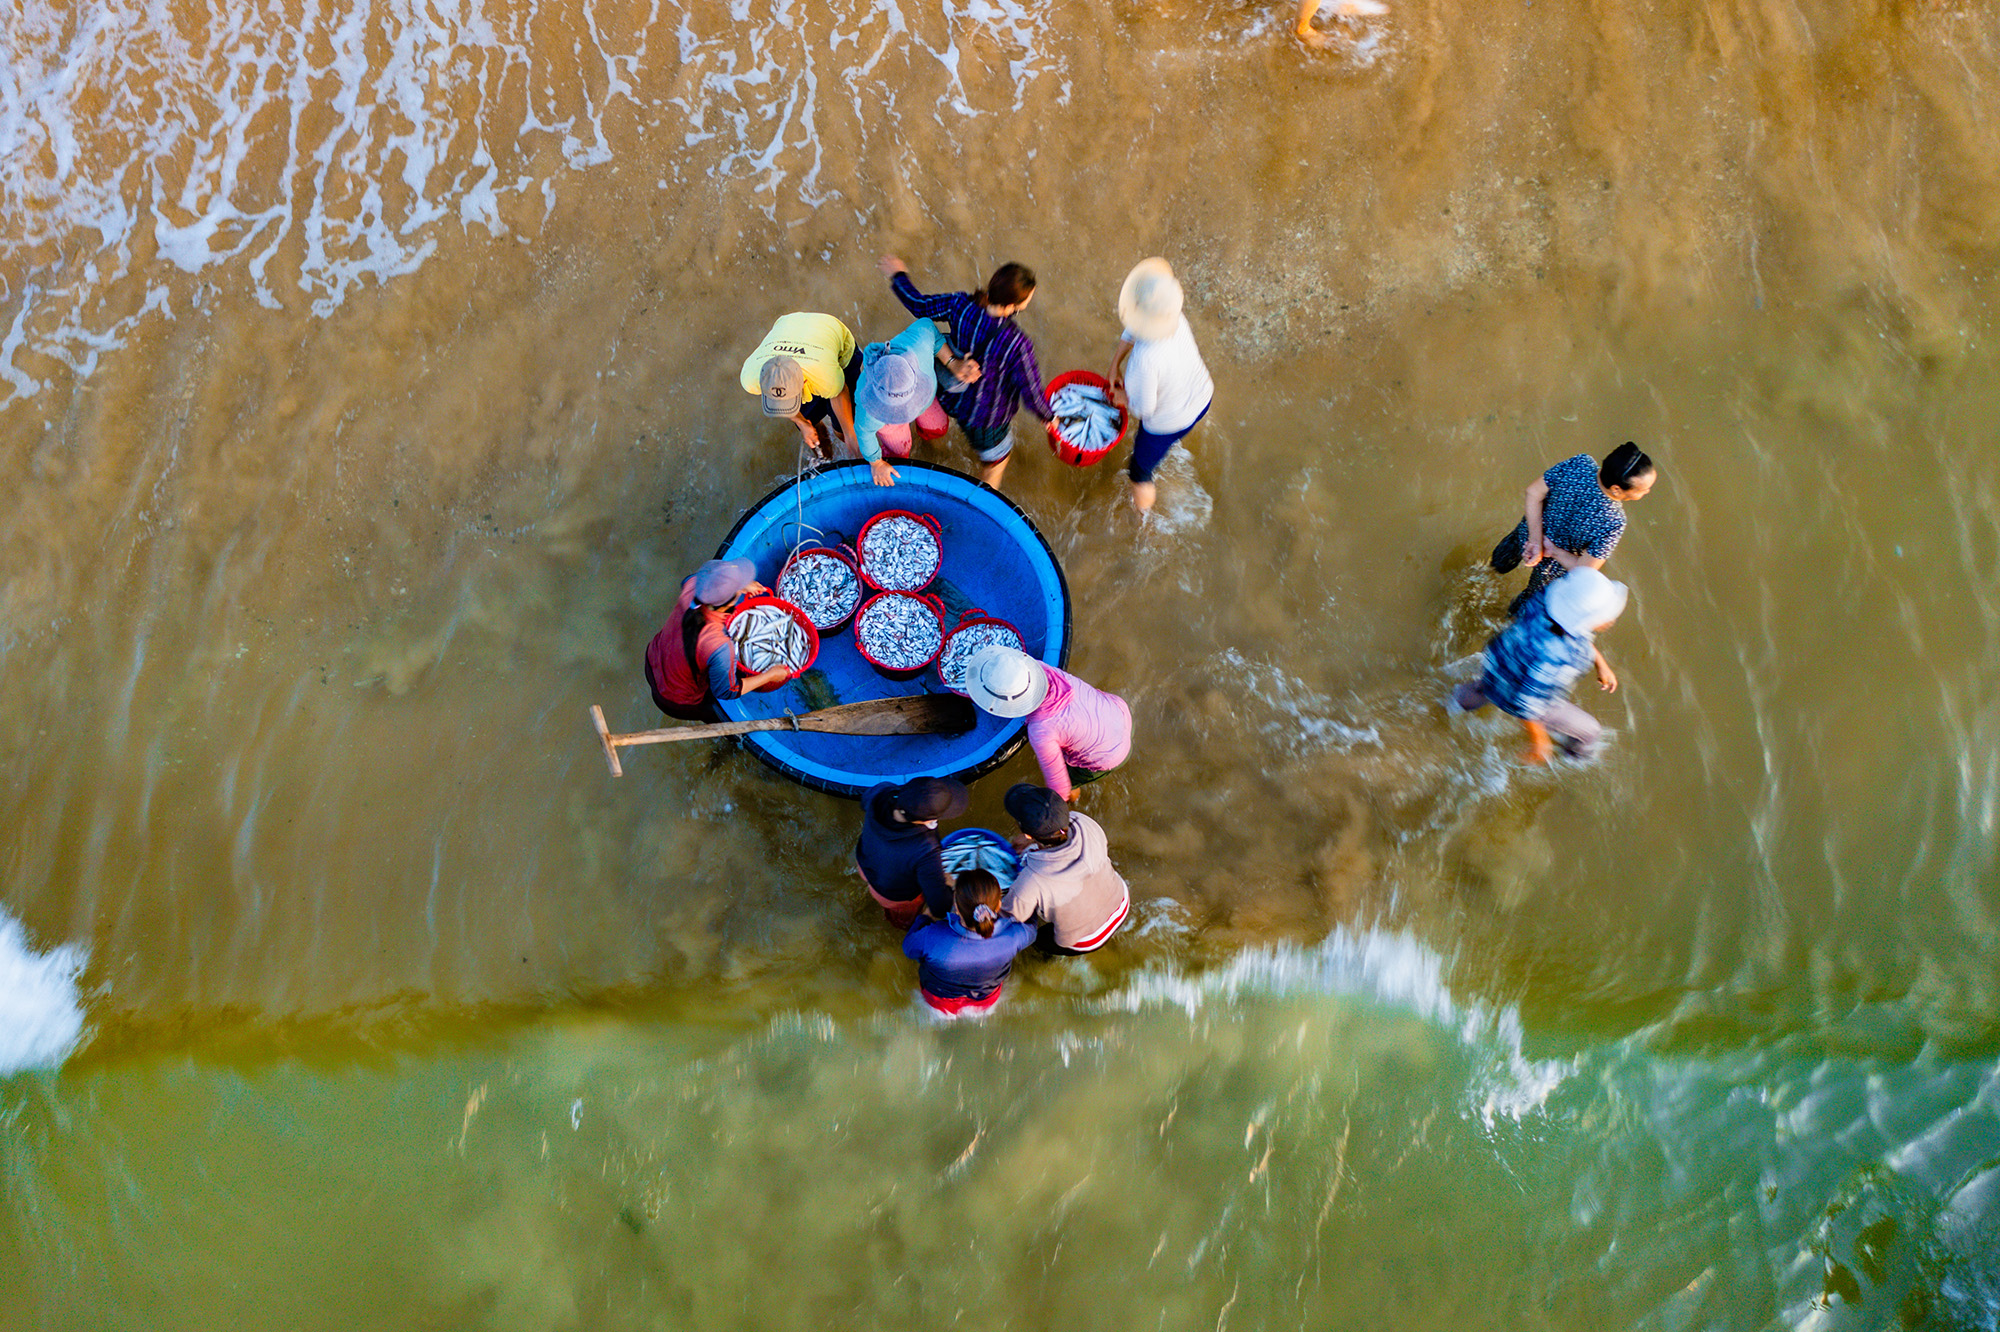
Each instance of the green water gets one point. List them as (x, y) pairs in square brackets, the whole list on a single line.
[(368, 382)]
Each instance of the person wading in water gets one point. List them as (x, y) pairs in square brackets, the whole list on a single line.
[(1531, 664), (1574, 515), (994, 374)]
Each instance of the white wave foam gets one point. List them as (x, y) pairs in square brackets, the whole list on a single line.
[(41, 1014), (1393, 970), (319, 146), (1303, 717)]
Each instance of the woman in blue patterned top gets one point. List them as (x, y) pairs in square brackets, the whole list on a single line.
[(1531, 664), (1575, 513)]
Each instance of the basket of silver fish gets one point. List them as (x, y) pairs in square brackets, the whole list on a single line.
[(975, 630), (899, 634), (770, 632), (823, 582), (900, 551), (1087, 423), (981, 848)]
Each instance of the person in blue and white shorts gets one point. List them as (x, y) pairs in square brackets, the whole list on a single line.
[(1531, 664), (1158, 374)]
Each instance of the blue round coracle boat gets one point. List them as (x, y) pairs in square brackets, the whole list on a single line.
[(995, 561)]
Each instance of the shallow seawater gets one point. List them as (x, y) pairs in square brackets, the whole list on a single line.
[(367, 383)]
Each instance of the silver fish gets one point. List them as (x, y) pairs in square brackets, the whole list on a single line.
[(980, 854), (823, 586), (1085, 416), (768, 636), (899, 632), (900, 554), (958, 650)]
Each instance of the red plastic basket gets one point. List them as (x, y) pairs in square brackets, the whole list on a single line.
[(967, 621), (846, 555), (861, 539), (812, 634), (1062, 448), (930, 603)]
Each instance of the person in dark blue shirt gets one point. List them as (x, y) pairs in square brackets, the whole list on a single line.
[(898, 854), (1575, 513), (1531, 664), (965, 959)]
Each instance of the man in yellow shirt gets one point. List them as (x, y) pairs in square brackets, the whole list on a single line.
[(805, 370)]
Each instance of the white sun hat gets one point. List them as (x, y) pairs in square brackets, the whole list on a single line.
[(1149, 304), (1005, 681), (1582, 599)]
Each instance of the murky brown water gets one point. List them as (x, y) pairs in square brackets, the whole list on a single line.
[(370, 378)]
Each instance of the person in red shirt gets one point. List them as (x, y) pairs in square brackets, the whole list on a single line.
[(691, 664)]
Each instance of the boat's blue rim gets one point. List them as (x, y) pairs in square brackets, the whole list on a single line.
[(1011, 742)]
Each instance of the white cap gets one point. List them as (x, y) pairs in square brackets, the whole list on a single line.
[(1005, 681), (1582, 599)]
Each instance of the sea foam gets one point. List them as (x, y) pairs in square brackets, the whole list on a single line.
[(1393, 970), (151, 157), (41, 1013)]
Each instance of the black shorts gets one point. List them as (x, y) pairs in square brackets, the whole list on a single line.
[(816, 410)]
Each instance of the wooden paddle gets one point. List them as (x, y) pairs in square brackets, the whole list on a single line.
[(908, 714)]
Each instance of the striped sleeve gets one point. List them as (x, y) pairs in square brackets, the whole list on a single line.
[(1027, 377), (926, 307)]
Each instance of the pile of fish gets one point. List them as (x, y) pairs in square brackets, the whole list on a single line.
[(958, 650), (767, 636), (900, 554), (899, 632), (1086, 416), (821, 585), (979, 853)]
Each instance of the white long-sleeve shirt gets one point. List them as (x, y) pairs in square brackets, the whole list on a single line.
[(1166, 383)]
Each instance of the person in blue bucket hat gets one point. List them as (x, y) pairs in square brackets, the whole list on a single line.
[(898, 391)]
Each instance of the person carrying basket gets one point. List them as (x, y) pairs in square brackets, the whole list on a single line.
[(991, 373), (1158, 374), (691, 665)]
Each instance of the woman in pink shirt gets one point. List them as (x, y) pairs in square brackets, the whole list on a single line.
[(1078, 732)]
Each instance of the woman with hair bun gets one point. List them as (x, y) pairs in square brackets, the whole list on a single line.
[(1574, 515), (965, 959), (989, 370)]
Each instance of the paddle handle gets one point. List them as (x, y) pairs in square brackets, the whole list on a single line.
[(605, 738), (613, 742)]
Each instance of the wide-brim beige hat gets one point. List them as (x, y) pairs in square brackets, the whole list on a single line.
[(1005, 681), (1149, 304)]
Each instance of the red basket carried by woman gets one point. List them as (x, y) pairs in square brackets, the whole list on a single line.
[(949, 664), (800, 617), (925, 645), (1073, 454), (844, 555), (898, 584)]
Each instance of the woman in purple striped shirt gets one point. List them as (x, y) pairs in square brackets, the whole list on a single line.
[(990, 372)]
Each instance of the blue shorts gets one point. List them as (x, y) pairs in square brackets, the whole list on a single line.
[(1148, 448)]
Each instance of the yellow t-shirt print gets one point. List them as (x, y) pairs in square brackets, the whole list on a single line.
[(821, 344)]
